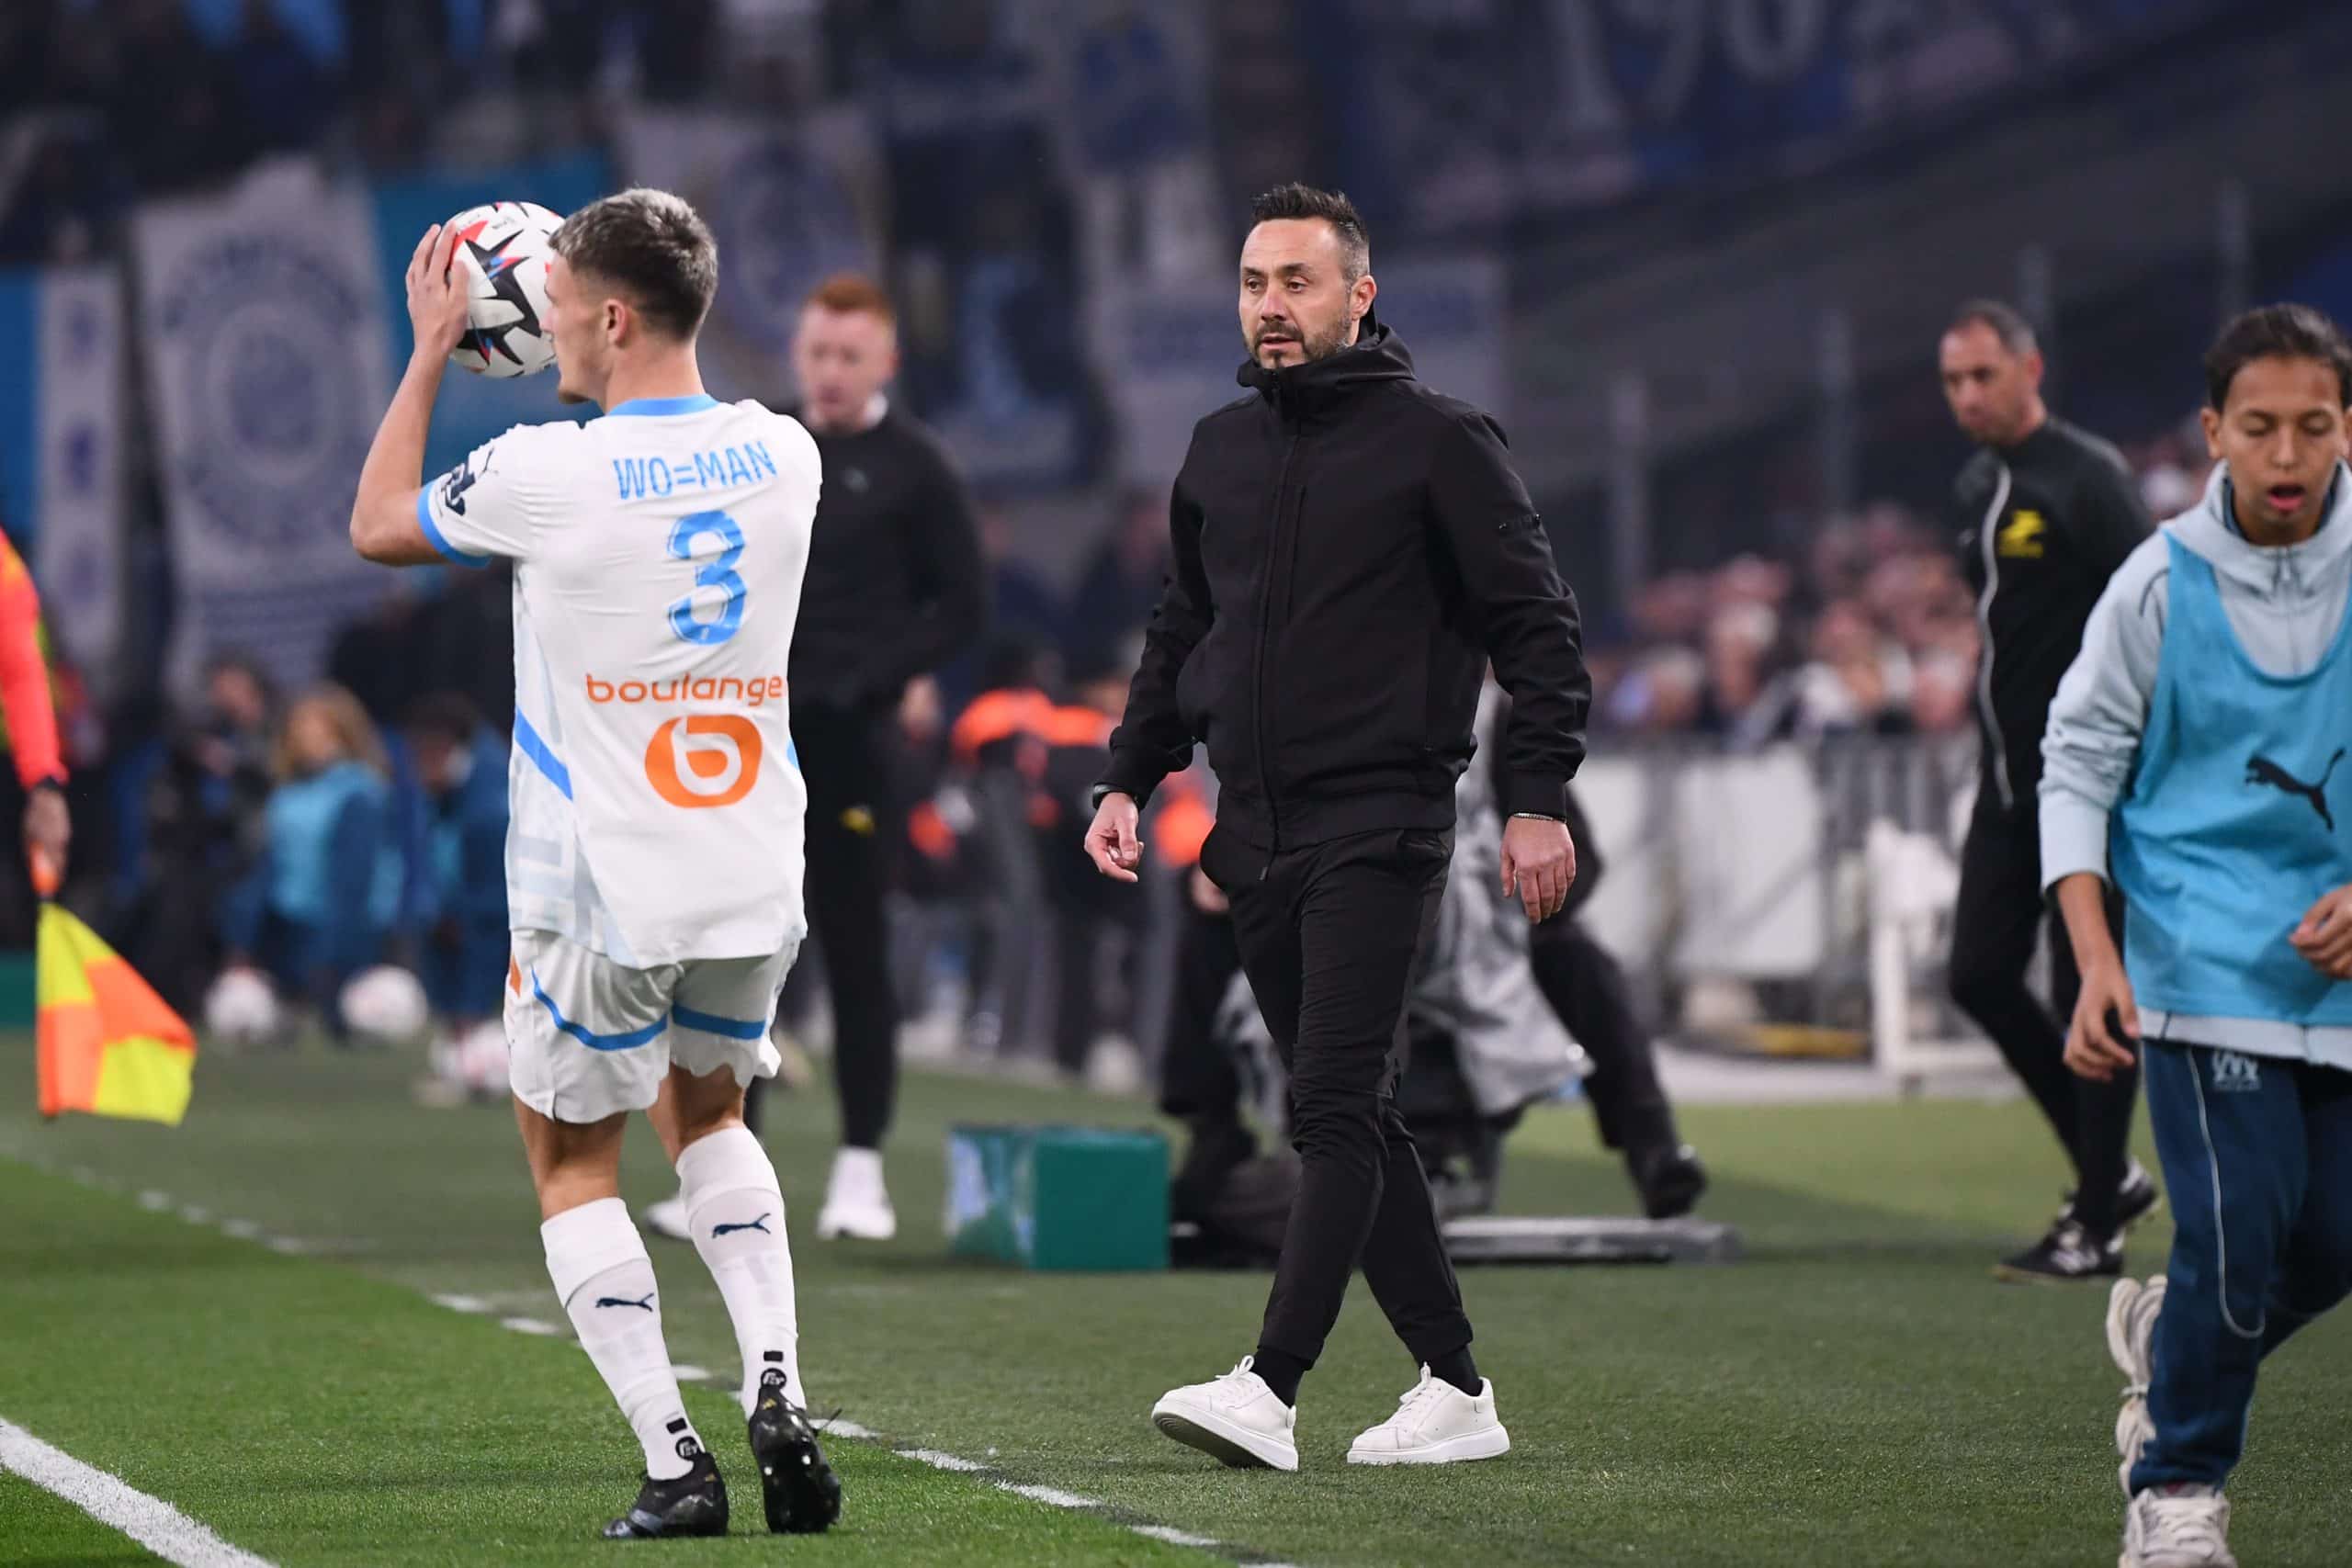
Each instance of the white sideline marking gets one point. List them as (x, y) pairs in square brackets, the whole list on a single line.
[(152, 1522), (938, 1461), (1172, 1536), (213, 1553)]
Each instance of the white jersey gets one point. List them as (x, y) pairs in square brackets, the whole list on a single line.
[(657, 804)]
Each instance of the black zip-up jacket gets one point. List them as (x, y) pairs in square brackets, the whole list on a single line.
[(1350, 548), (2041, 527), (895, 586)]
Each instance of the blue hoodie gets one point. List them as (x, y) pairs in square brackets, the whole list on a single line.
[(2284, 610)]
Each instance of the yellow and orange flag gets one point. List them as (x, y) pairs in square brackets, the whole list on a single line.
[(108, 1043)]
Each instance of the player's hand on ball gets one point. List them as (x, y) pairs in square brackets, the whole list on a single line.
[(1110, 843), (2324, 938), (1539, 865), (437, 300), (2105, 1026)]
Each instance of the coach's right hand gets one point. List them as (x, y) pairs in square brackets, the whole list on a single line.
[(1110, 843), (2094, 1050)]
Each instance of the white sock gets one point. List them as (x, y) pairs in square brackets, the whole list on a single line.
[(605, 1283), (735, 1212)]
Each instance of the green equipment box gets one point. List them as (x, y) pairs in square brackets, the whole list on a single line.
[(1058, 1197)]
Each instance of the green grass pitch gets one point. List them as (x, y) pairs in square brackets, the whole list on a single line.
[(1859, 1391)]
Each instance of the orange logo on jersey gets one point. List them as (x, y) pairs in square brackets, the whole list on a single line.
[(705, 759)]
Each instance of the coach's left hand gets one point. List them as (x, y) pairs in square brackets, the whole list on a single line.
[(2325, 939), (1539, 865)]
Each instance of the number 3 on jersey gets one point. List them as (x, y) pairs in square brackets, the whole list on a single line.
[(720, 573)]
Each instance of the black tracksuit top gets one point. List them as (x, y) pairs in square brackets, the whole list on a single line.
[(1350, 550), (2042, 525)]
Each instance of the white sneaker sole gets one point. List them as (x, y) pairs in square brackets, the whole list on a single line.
[(1227, 1442), (1491, 1442)]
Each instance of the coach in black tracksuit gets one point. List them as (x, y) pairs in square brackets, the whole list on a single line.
[(2044, 513), (1350, 547)]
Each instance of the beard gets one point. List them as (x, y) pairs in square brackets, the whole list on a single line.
[(1313, 344)]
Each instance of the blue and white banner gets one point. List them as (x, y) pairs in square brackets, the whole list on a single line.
[(790, 204), (60, 452), (269, 369)]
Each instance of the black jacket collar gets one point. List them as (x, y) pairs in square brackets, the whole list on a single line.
[(1301, 391)]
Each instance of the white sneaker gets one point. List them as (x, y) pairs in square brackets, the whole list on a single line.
[(2131, 1311), (858, 1206), (668, 1218), (1235, 1418), (2177, 1527), (1435, 1423)]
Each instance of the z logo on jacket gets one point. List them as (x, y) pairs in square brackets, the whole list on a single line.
[(2020, 536)]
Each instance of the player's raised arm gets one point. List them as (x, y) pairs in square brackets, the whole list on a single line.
[(389, 523)]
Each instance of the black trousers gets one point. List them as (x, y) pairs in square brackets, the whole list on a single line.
[(1330, 936), (1587, 989), (1999, 920), (853, 827)]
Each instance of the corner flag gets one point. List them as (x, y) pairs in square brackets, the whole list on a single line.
[(108, 1042)]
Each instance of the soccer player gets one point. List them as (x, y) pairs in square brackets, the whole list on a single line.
[(2045, 513), (2194, 758), (896, 589), (654, 857)]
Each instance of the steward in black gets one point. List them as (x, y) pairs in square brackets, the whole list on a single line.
[(1350, 550), (2042, 525), (895, 587)]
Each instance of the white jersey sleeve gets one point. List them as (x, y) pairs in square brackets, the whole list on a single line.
[(493, 503), (658, 803)]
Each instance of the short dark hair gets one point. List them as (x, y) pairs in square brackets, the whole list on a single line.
[(2007, 322), (2276, 332), (652, 247), (851, 294), (1294, 200)]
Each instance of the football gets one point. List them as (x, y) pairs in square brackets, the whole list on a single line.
[(386, 1006), (242, 1008), (503, 253)]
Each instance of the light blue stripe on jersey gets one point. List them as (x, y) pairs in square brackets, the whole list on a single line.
[(434, 537), (712, 1023), (656, 408), (590, 1038), (533, 745)]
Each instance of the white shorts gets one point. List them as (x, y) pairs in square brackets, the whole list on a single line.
[(589, 1038)]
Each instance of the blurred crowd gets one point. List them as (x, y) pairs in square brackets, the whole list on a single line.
[(1875, 632)]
